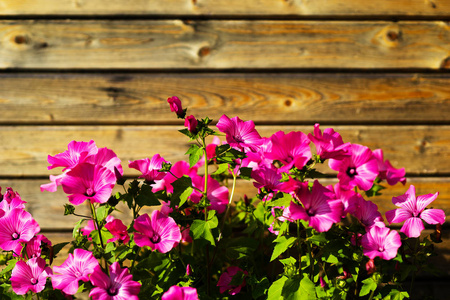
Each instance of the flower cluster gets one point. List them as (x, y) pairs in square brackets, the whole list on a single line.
[(297, 238)]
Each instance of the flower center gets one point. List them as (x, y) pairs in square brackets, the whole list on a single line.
[(310, 212), (380, 249), (77, 274), (238, 138), (351, 172), (89, 192), (112, 291), (33, 281), (15, 236), (155, 238)]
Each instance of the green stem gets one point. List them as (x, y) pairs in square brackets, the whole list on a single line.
[(94, 216), (205, 193), (228, 206), (371, 294)]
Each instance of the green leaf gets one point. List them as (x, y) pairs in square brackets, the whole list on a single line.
[(369, 285), (195, 153), (146, 197), (179, 190), (276, 289), (398, 295), (260, 288), (245, 173), (282, 244), (69, 209), (296, 289), (76, 228), (58, 247), (202, 229), (284, 200), (375, 190), (222, 168), (11, 264), (102, 213)]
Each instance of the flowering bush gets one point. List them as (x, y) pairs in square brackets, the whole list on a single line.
[(295, 239)]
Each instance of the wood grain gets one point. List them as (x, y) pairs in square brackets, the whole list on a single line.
[(334, 8), (24, 151), (265, 98), (237, 44)]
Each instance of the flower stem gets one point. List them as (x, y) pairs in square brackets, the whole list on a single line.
[(205, 193), (228, 206), (94, 216)]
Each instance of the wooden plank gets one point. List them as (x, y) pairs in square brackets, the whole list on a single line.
[(24, 151), (48, 208), (293, 98), (174, 44), (226, 7)]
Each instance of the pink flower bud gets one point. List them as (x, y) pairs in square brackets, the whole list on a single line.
[(175, 106), (370, 266), (191, 123)]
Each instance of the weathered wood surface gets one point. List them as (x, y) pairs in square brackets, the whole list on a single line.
[(48, 208), (24, 150), (236, 44), (285, 8), (264, 98)]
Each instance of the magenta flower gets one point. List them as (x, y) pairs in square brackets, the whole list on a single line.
[(75, 154), (158, 231), (175, 106), (349, 198), (78, 266), (367, 213), (55, 181), (180, 293), (413, 210), (86, 230), (35, 245), (149, 167), (119, 285), (29, 276), (88, 182), (360, 169), (320, 209), (178, 169), (191, 123), (269, 178), (15, 228), (290, 149), (329, 144), (225, 279), (216, 194), (118, 230), (107, 158), (387, 171), (381, 242), (240, 134), (11, 200)]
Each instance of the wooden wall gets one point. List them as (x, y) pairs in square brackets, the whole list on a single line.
[(377, 71)]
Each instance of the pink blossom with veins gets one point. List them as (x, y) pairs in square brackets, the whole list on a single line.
[(157, 231), (119, 285), (381, 242), (149, 167), (78, 266), (30, 276), (413, 210), (320, 208), (387, 171), (178, 169), (268, 178), (360, 169), (15, 228), (217, 195), (367, 213), (11, 200), (106, 158), (35, 245), (290, 149), (180, 293), (240, 134), (88, 182), (329, 144), (75, 154), (349, 198)]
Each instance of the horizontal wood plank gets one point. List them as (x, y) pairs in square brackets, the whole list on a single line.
[(270, 97), (250, 44), (226, 7), (24, 151)]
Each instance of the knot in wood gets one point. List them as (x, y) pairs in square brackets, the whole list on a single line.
[(21, 39), (204, 51), (445, 63), (393, 35)]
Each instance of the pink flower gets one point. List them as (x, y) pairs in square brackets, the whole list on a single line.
[(290, 149), (175, 106), (360, 169), (387, 171), (78, 266), (191, 123), (107, 158), (118, 230), (381, 242), (216, 194), (180, 293), (185, 237), (75, 154), (119, 285), (86, 230), (329, 144), (88, 182), (225, 279), (320, 208), (178, 169), (149, 168), (349, 198), (240, 134), (370, 267), (269, 178), (29, 276), (15, 228), (159, 232), (412, 211), (35, 245), (11, 200), (367, 213)]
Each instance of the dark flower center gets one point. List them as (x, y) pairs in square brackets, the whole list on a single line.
[(310, 212), (351, 172), (112, 291), (155, 238), (33, 281), (15, 236), (238, 138), (89, 192)]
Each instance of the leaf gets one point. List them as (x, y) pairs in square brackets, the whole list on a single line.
[(195, 153), (282, 244), (260, 288), (58, 247), (11, 264), (375, 190), (179, 190), (201, 229), (245, 173), (222, 168), (69, 209), (146, 197), (76, 228), (369, 285), (276, 289), (296, 289), (102, 212), (398, 295)]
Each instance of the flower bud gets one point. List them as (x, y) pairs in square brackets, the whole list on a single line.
[(175, 106), (191, 123), (370, 267)]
